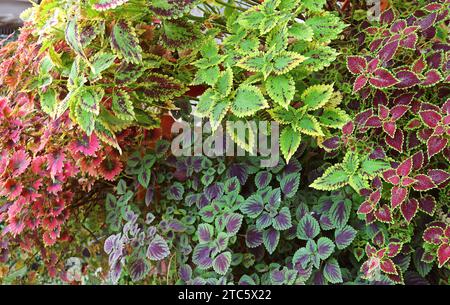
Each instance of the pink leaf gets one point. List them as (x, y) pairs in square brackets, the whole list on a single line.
[(418, 159), (438, 176), (382, 78), (388, 266), (435, 145), (398, 26), (433, 235), (404, 169), (384, 214), (424, 183), (407, 79), (360, 82), (432, 77), (365, 208), (356, 64), (430, 117), (443, 254), (427, 204), (348, 128), (373, 65), (394, 249), (373, 122), (409, 42), (396, 142), (409, 209), (388, 51), (398, 196)]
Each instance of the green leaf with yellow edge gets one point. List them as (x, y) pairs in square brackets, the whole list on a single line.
[(248, 101), (350, 163), (218, 112), (285, 61), (283, 115), (308, 125), (317, 96), (301, 31), (224, 83), (357, 182), (289, 142), (124, 42), (333, 178), (49, 102), (207, 76), (334, 118), (243, 133), (205, 103), (371, 167), (254, 62), (122, 106), (281, 89), (85, 119)]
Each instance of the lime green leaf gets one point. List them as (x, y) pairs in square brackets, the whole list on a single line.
[(357, 182), (281, 89), (326, 27), (301, 31), (89, 100), (283, 115), (314, 5), (334, 118), (100, 62), (253, 63), (317, 96), (286, 61), (207, 76), (85, 119), (218, 112), (225, 83), (205, 103), (289, 142), (248, 101), (49, 102), (122, 106), (334, 178), (243, 135), (309, 125), (371, 168), (350, 163), (125, 43), (251, 19)]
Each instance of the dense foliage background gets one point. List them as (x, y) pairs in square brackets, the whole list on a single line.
[(90, 192)]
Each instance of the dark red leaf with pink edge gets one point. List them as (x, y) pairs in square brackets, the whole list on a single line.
[(370, 250), (418, 159), (373, 65), (409, 209), (398, 196), (356, 64), (433, 235), (430, 117), (398, 26), (432, 77), (348, 128), (404, 169), (365, 208), (427, 204), (378, 239), (388, 51), (387, 17), (373, 121), (393, 249), (424, 183), (433, 7), (407, 79), (443, 254), (388, 266), (396, 278), (419, 65), (438, 176), (384, 214), (407, 181), (427, 21), (397, 141), (390, 176), (382, 78), (435, 145), (409, 42), (360, 82)]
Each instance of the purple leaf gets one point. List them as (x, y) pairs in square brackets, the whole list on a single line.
[(239, 171), (214, 191), (356, 64), (253, 206), (176, 191), (396, 142), (264, 221), (201, 256), (360, 83), (435, 145), (233, 223), (138, 269), (388, 51), (253, 237), (324, 247), (262, 179), (158, 249), (283, 220), (432, 77), (340, 213), (343, 237), (382, 78), (222, 263), (149, 196), (407, 79), (185, 273), (332, 271), (270, 239), (205, 233), (289, 184), (308, 228)]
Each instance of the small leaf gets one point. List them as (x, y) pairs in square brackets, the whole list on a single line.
[(344, 236), (125, 43), (317, 96), (325, 247)]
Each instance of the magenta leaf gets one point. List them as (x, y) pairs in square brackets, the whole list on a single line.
[(432, 77), (443, 254), (356, 64), (435, 145), (427, 204), (388, 51), (430, 117), (409, 209), (359, 83), (433, 235), (384, 214), (382, 78), (409, 42), (397, 141), (388, 266), (407, 79), (438, 176), (424, 183), (398, 196)]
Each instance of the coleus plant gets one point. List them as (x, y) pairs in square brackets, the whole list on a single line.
[(401, 118), (262, 66)]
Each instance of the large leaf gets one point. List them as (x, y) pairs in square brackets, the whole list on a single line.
[(317, 96), (125, 43), (289, 142), (308, 228), (281, 89), (248, 101), (339, 212), (334, 178)]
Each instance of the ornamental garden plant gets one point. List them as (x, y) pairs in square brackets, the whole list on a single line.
[(92, 191)]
